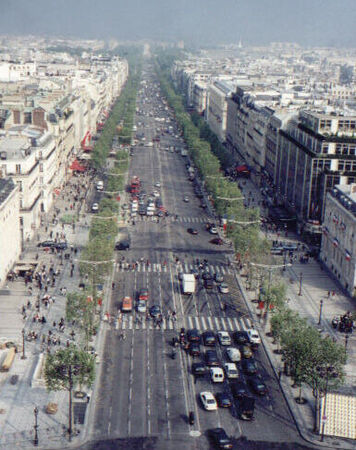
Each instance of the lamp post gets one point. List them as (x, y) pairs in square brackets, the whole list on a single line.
[(285, 261), (300, 283), (320, 311), (23, 344), (35, 440)]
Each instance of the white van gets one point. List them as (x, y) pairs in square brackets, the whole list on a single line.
[(217, 375), (99, 185)]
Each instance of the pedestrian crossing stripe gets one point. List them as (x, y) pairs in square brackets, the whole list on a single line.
[(180, 219), (185, 268), (201, 323)]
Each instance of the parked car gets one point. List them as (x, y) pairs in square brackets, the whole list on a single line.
[(213, 230), (192, 231), (217, 241), (123, 245), (95, 207), (208, 401), (224, 338)]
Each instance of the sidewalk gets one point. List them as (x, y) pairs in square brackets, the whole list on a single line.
[(314, 285), (17, 402)]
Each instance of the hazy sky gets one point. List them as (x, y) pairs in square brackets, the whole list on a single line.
[(309, 22)]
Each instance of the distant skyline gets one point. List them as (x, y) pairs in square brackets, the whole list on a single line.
[(202, 22)]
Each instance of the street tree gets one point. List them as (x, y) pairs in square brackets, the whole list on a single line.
[(81, 308), (67, 368)]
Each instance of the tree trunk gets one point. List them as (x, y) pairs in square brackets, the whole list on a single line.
[(317, 411)]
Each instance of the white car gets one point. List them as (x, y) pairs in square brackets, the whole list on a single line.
[(141, 306), (186, 199), (157, 185), (155, 194), (224, 288), (95, 207), (213, 230), (208, 401), (224, 338), (253, 336), (217, 375), (233, 354), (231, 370)]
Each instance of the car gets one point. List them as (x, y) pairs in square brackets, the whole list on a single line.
[(246, 351), (223, 288), (223, 400), (218, 278), (224, 338), (253, 336), (208, 284), (213, 230), (217, 241), (142, 211), (207, 275), (257, 385), (199, 369), (240, 337), (141, 306), (217, 375), (238, 389), (143, 294), (194, 348), (208, 401), (125, 206), (126, 305), (220, 438), (186, 199), (155, 194), (249, 366), (95, 207), (209, 339), (123, 245), (46, 244), (233, 354), (192, 231), (155, 311), (158, 184), (231, 370), (193, 335), (60, 245), (211, 358), (203, 205)]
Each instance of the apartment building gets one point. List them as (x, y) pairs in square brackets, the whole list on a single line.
[(316, 151), (216, 107), (10, 242), (338, 246)]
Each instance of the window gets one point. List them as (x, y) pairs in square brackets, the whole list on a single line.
[(41, 167), (18, 168)]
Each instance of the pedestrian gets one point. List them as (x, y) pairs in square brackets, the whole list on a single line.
[(328, 294)]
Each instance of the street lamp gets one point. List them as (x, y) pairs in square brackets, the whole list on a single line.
[(23, 344), (320, 311), (300, 283), (35, 440)]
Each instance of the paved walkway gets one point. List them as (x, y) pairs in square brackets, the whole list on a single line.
[(315, 284), (17, 402)]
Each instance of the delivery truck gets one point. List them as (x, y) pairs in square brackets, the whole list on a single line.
[(188, 283)]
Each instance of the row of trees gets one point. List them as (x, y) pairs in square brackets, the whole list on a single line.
[(209, 156), (312, 359), (75, 365)]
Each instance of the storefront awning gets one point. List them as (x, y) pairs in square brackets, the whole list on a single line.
[(76, 166)]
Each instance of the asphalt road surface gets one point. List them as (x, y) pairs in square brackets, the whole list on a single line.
[(144, 395)]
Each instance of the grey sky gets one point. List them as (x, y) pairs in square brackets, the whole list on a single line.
[(309, 22)]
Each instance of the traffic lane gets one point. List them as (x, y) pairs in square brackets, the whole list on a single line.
[(139, 394)]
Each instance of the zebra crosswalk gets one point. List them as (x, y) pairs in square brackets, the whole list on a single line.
[(201, 323), (183, 267), (179, 219)]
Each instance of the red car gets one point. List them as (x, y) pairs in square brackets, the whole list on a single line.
[(217, 241), (143, 295)]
